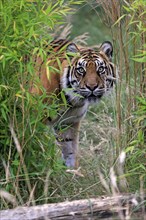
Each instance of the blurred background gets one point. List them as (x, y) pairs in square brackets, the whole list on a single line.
[(88, 18)]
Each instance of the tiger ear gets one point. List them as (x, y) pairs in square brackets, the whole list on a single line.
[(107, 48), (72, 49)]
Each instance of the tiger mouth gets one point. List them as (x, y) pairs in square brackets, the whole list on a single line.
[(95, 96), (93, 93), (97, 93)]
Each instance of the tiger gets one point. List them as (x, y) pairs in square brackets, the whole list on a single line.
[(85, 76)]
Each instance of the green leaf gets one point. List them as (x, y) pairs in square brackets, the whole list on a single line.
[(118, 21), (130, 148), (63, 99), (4, 114), (59, 63), (140, 60)]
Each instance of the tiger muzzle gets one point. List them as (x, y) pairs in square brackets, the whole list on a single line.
[(92, 87)]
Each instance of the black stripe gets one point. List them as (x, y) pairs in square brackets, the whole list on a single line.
[(112, 69), (64, 139), (68, 83), (59, 43), (56, 43), (63, 44), (111, 72)]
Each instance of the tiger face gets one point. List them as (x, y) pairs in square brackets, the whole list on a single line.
[(90, 75)]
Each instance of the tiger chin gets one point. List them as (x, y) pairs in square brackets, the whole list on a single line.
[(85, 76)]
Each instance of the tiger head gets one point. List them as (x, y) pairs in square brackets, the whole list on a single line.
[(90, 73)]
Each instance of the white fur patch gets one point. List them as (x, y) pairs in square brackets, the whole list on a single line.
[(64, 78)]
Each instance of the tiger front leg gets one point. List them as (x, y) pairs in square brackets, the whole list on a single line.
[(68, 142), (69, 153)]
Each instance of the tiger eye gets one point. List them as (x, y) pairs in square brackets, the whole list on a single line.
[(100, 69), (81, 70)]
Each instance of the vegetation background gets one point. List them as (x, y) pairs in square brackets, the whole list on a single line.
[(113, 135)]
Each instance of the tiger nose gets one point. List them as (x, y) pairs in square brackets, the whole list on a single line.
[(92, 87)]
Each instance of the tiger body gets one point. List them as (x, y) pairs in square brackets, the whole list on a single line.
[(84, 77)]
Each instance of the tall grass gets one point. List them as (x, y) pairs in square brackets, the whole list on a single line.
[(126, 20)]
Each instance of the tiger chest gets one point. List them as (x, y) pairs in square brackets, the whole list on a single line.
[(71, 115)]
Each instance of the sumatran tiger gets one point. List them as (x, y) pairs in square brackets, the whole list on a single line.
[(85, 76)]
